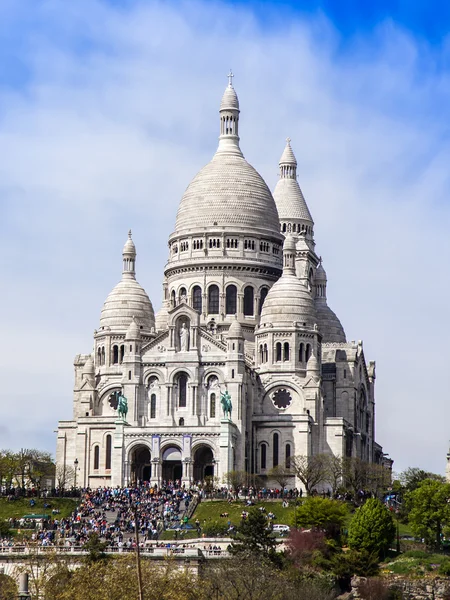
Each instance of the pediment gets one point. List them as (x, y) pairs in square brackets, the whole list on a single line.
[(160, 343)]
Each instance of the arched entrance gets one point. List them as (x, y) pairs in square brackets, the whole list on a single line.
[(171, 464), (141, 466), (203, 463)]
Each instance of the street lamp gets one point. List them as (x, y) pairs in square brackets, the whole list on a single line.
[(75, 464)]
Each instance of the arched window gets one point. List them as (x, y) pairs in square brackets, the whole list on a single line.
[(301, 352), (108, 452), (122, 353), (278, 351), (284, 227), (275, 450), (212, 406), (288, 456), (182, 390), (261, 353), (263, 456), (182, 293), (231, 300), (153, 406), (308, 352), (213, 300), (181, 422), (266, 356), (173, 299), (249, 301), (96, 458), (286, 351), (99, 355), (197, 298), (103, 355), (115, 355), (262, 297)]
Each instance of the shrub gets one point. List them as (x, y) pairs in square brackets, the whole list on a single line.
[(215, 529), (372, 528), (323, 514)]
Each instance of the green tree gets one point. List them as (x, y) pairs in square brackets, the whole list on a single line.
[(412, 477), (372, 528), (429, 510), (323, 514), (254, 537), (95, 547)]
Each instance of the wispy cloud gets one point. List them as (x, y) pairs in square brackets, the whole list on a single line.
[(112, 110)]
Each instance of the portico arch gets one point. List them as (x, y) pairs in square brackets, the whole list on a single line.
[(140, 462), (171, 463), (203, 463)]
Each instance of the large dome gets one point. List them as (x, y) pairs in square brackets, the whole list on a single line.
[(127, 300), (329, 325), (228, 192), (287, 301)]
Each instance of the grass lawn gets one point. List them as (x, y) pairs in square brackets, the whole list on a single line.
[(418, 563), (208, 511), (20, 507)]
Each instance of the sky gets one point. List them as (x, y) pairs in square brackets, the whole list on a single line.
[(108, 108)]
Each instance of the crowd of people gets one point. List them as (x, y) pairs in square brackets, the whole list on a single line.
[(111, 513)]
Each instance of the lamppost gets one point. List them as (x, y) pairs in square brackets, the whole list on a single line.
[(75, 465)]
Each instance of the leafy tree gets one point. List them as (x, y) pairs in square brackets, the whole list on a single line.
[(429, 506), (412, 477), (5, 531), (345, 565), (311, 470), (95, 547), (322, 514), (8, 587), (372, 528), (253, 537), (281, 475)]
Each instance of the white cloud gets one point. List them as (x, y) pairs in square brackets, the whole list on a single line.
[(118, 114)]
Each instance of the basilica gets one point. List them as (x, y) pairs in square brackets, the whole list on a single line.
[(244, 366)]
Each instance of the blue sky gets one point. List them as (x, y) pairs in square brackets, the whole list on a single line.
[(107, 111)]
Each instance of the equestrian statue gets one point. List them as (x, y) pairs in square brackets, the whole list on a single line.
[(227, 407)]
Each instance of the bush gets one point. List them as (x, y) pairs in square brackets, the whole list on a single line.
[(372, 528), (322, 514), (215, 529), (416, 554)]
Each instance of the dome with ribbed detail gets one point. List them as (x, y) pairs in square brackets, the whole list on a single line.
[(235, 330), (88, 368), (126, 300), (228, 192), (229, 100), (291, 204), (133, 331), (320, 273), (288, 300), (329, 325)]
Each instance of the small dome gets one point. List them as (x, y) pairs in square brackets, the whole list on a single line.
[(162, 318), (129, 248), (288, 300), (288, 157), (127, 300), (88, 368), (229, 99), (235, 330), (312, 365), (329, 325), (289, 243), (321, 273), (133, 331)]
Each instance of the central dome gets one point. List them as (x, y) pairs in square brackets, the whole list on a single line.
[(228, 192)]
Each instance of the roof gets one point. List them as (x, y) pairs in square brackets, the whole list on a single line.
[(288, 301)]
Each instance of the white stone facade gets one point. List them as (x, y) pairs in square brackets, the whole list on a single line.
[(244, 310)]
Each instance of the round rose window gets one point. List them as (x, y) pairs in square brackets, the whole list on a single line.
[(281, 398)]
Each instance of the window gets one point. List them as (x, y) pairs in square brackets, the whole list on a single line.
[(212, 406), (214, 242), (288, 456), (232, 243), (301, 352), (122, 353), (103, 355), (213, 300), (284, 227), (173, 299), (262, 297), (182, 293), (275, 450), (278, 351), (266, 356), (182, 390), (308, 352), (96, 458), (248, 301), (99, 355), (263, 456), (181, 422), (108, 452), (249, 244), (197, 298), (231, 300), (261, 353), (115, 355), (153, 406), (264, 247), (286, 351)]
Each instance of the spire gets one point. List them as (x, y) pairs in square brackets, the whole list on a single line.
[(288, 162), (229, 120), (129, 259), (289, 255)]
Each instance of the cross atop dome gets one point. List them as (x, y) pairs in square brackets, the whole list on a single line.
[(230, 78)]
